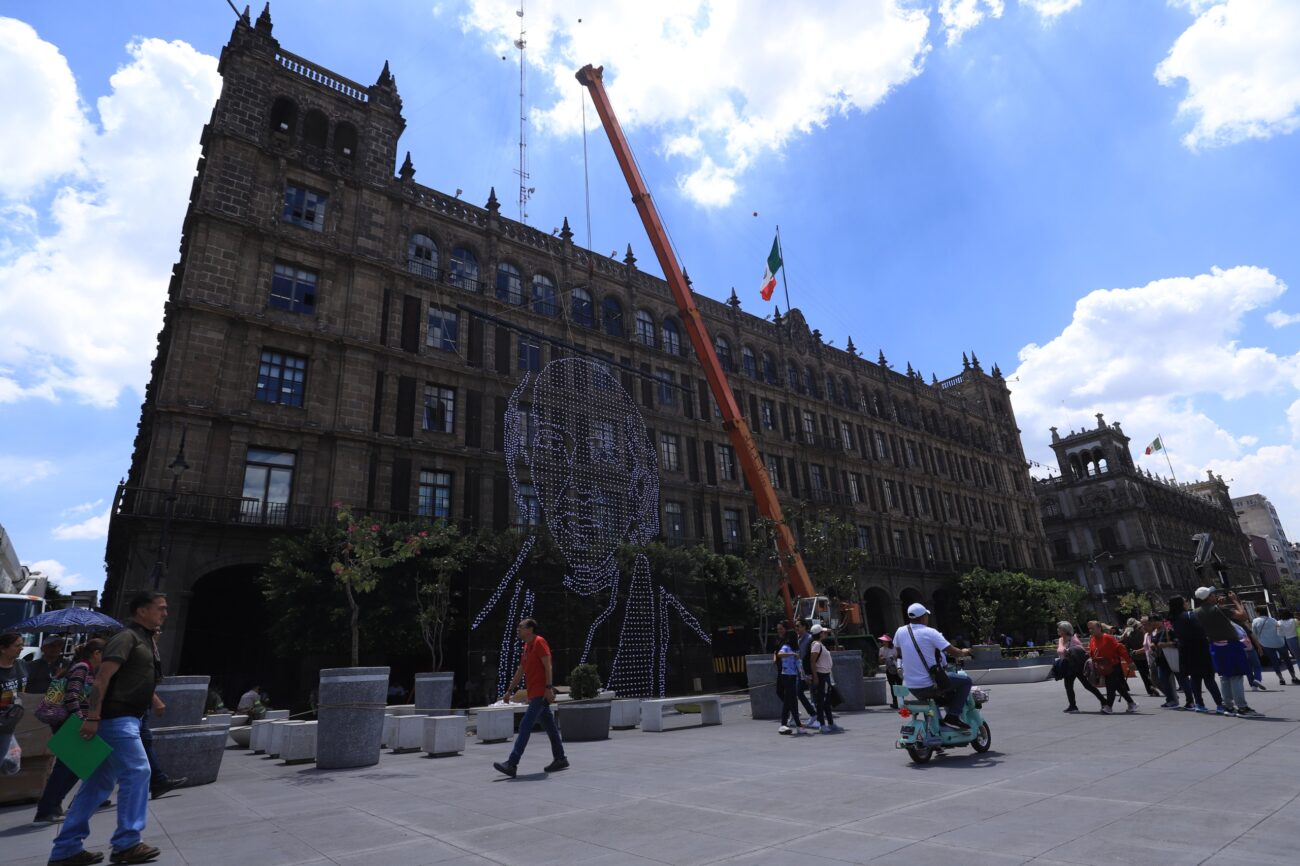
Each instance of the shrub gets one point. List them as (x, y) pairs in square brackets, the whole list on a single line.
[(584, 682)]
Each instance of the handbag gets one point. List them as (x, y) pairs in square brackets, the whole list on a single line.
[(51, 710), (937, 672), (834, 695), (1091, 674)]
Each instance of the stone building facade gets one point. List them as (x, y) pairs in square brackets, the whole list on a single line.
[(1259, 517), (336, 333), (1117, 529)]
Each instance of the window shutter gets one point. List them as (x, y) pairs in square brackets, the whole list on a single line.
[(378, 414), (500, 502), (715, 513), (411, 309), (647, 387), (499, 424), (475, 348), (692, 460), (405, 424), (473, 419), (710, 464), (503, 350), (400, 496)]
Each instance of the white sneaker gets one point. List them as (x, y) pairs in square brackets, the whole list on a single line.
[(814, 724), (783, 730), (1132, 707)]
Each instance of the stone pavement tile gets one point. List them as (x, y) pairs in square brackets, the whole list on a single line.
[(682, 848), (761, 831), (263, 843), (778, 857), (846, 845), (409, 852), (1257, 791), (930, 854), (437, 819), (927, 818), (345, 834), (1037, 828), (1272, 840), (1156, 834)]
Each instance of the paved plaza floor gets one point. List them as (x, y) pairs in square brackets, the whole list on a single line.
[(1160, 787)]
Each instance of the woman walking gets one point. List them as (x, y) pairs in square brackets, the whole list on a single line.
[(1072, 656), (1134, 638), (13, 677), (1107, 655), (1195, 667), (76, 701), (787, 659)]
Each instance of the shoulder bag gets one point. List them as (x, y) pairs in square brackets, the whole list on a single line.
[(937, 671)]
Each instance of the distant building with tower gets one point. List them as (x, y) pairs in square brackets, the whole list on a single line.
[(1258, 517)]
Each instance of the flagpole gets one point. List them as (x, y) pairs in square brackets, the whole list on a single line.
[(781, 251), (1167, 460)]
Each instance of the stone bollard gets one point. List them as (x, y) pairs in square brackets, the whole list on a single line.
[(433, 693), (257, 738), (190, 751), (223, 719), (276, 715), (299, 746), (624, 714), (760, 672), (847, 671), (876, 690), (351, 714), (444, 735), (275, 739), (409, 734), (185, 698), (495, 725)]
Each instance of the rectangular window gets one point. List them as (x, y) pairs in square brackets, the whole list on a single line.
[(727, 462), (293, 289), (958, 550), (667, 387), (435, 494), (439, 409), (670, 450), (929, 547), (891, 498), (855, 488), (900, 543), (864, 537), (444, 329), (304, 207), (731, 527), (268, 481), (529, 512), (817, 478), (774, 470), (530, 355), (809, 427), (674, 521), (846, 436), (769, 415), (281, 378), (880, 448)]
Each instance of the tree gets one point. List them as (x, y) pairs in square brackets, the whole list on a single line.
[(765, 565), (1289, 589), (1133, 605), (1013, 602), (445, 555)]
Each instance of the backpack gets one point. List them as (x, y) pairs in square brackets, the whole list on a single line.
[(52, 711)]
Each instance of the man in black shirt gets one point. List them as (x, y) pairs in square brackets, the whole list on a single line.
[(123, 693), (47, 667)]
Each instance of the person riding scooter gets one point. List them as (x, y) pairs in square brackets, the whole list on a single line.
[(920, 648)]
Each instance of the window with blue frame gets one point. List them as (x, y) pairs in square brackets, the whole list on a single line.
[(582, 309), (281, 378), (544, 296), (510, 285), (293, 289), (530, 355), (304, 207), (435, 494), (443, 330)]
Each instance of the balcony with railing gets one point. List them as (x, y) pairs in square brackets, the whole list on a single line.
[(155, 504)]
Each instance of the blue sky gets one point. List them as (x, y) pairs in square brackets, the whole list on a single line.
[(1097, 195)]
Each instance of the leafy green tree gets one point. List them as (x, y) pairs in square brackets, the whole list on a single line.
[(1013, 602), (1133, 605), (1289, 589)]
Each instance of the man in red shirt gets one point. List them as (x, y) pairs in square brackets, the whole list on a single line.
[(535, 669)]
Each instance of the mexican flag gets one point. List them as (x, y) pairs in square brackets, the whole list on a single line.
[(1156, 445), (769, 273)]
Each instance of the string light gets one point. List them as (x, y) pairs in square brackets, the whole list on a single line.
[(581, 455)]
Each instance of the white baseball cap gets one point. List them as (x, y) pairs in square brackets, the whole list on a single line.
[(1202, 593), (916, 611)]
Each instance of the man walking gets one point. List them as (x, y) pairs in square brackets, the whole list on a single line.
[(1270, 638), (122, 694), (535, 670)]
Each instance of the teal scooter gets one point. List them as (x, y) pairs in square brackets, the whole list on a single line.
[(923, 736)]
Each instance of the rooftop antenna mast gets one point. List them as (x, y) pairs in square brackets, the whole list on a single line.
[(525, 191)]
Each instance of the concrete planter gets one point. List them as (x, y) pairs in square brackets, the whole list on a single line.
[(238, 720), (847, 671), (258, 739), (985, 655), (582, 723), (190, 751), (223, 719), (400, 710), (299, 744), (185, 698), (876, 691), (408, 735), (625, 714), (433, 692), (241, 736), (443, 735), (351, 714), (760, 672), (275, 739)]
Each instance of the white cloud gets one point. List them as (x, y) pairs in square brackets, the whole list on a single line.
[(43, 123), (1145, 356), (21, 471), (958, 16), (1278, 319), (1050, 9), (1196, 7), (90, 529), (57, 572), (81, 302), (1241, 62), (741, 80), (83, 508)]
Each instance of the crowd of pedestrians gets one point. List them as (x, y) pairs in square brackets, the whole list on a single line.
[(1179, 654)]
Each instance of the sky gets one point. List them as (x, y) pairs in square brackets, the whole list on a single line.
[(1096, 195)]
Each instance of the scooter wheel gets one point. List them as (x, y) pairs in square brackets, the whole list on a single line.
[(920, 754), (983, 738)]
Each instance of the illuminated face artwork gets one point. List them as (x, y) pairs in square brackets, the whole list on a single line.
[(582, 449)]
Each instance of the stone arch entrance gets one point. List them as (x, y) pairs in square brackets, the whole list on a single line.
[(908, 597), (878, 610)]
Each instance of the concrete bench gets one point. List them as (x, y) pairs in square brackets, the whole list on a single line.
[(652, 711), (299, 744), (443, 735), (624, 714), (408, 734), (275, 739), (389, 735)]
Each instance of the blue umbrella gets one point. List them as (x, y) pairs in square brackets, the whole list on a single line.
[(70, 619)]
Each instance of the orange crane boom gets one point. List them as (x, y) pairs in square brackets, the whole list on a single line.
[(733, 421)]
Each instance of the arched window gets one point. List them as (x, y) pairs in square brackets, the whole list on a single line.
[(611, 316), (544, 296), (672, 337), (345, 140), (284, 114), (832, 393), (510, 286), (810, 382), (723, 348), (793, 379), (315, 128), (769, 369), (422, 256), (464, 269), (748, 362), (846, 394), (645, 328), (581, 308)]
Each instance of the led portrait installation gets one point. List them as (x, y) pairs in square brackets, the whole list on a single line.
[(582, 445)]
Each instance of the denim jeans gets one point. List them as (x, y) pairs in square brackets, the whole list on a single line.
[(537, 709), (1234, 690), (1256, 667), (127, 767), (1276, 657), (1293, 646)]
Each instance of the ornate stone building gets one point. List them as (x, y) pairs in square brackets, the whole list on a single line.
[(1117, 529), (338, 333)]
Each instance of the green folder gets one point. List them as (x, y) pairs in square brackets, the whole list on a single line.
[(82, 757)]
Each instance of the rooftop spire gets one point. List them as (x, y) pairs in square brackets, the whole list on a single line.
[(492, 203), (264, 20), (407, 171)]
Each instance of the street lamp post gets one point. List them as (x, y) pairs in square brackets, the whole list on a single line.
[(177, 467), (1095, 562)]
